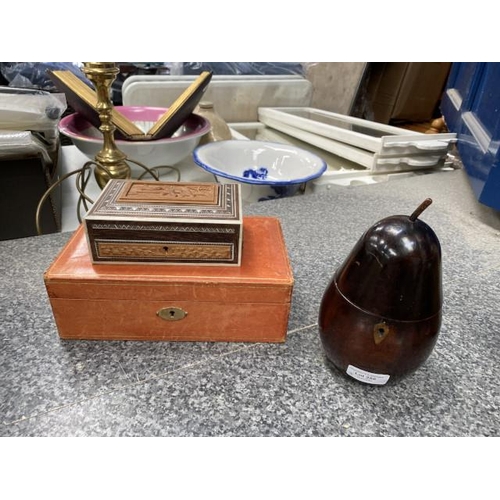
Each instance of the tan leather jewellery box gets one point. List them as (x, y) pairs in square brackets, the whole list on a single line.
[(246, 303)]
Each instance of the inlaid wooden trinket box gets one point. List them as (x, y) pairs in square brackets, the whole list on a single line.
[(166, 222), (249, 303)]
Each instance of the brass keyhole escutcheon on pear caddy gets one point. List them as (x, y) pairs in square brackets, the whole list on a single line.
[(380, 332)]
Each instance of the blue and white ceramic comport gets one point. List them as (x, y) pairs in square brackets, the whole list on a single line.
[(265, 170)]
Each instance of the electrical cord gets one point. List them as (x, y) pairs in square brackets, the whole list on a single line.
[(83, 176)]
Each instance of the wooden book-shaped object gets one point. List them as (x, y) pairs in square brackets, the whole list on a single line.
[(83, 99)]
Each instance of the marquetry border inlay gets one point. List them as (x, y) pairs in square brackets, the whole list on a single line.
[(164, 250)]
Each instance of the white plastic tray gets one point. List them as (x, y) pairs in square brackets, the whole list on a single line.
[(363, 134), (374, 162), (235, 99)]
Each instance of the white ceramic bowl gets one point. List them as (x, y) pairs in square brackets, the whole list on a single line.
[(88, 139), (266, 170)]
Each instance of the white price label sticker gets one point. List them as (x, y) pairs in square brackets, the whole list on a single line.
[(367, 377)]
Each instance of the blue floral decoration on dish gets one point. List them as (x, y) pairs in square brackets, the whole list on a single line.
[(259, 173)]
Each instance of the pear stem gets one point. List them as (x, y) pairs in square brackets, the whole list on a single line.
[(420, 209)]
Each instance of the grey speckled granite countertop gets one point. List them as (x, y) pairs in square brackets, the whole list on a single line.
[(50, 387)]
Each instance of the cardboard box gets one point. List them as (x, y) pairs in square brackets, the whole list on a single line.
[(166, 222), (404, 91), (250, 303)]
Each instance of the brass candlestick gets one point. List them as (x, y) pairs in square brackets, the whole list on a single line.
[(102, 75), (110, 162)]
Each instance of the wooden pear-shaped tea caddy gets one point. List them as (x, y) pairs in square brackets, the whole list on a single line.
[(381, 313)]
